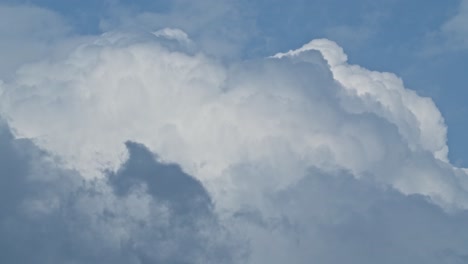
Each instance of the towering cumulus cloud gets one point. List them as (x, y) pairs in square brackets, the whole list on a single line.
[(295, 158)]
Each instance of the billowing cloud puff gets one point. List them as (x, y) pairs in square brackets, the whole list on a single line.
[(276, 116), (418, 119), (303, 156)]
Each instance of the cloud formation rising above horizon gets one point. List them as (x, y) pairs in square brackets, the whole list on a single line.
[(137, 146)]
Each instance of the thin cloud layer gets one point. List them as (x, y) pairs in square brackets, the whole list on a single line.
[(36, 30), (455, 30), (300, 157), (451, 36)]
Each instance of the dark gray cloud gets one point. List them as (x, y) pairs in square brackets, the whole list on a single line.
[(165, 182), (147, 212)]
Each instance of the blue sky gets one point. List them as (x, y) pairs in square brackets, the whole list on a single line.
[(233, 131)]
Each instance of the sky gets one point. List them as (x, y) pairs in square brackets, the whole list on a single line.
[(233, 131)]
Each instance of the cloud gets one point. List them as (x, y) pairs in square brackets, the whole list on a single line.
[(35, 32), (452, 35), (150, 212), (174, 34), (295, 157), (333, 218), (398, 105), (289, 113), (219, 27), (455, 28), (146, 212)]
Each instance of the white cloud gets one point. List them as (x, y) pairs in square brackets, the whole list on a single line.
[(304, 155), (282, 114), (173, 34), (417, 118)]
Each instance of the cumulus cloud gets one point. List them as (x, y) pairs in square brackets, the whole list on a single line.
[(303, 108), (418, 119), (297, 157)]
